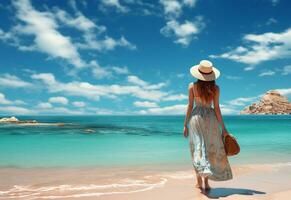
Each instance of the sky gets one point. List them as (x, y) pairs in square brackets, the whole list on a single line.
[(132, 57)]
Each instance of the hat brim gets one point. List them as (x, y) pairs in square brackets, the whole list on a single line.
[(204, 77)]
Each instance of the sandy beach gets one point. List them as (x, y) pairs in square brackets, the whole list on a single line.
[(122, 161), (264, 181)]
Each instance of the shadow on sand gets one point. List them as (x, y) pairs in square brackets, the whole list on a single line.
[(216, 193)]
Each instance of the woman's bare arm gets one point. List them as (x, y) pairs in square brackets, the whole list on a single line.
[(190, 104), (217, 110)]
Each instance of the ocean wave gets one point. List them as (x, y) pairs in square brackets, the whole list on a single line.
[(180, 175), (77, 191)]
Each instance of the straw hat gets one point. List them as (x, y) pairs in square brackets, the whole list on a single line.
[(205, 71)]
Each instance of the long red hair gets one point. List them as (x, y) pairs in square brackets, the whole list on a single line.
[(206, 90)]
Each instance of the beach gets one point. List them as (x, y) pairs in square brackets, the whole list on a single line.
[(264, 181), (145, 157), (128, 99)]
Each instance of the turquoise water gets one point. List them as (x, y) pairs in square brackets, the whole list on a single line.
[(134, 140)]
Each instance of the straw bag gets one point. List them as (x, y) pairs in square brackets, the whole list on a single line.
[(230, 145)]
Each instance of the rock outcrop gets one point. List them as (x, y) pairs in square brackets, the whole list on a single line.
[(9, 120), (14, 120), (272, 103)]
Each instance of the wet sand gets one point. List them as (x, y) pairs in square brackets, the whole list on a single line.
[(263, 181)]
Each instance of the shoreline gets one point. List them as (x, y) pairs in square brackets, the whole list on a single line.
[(250, 181), (241, 160)]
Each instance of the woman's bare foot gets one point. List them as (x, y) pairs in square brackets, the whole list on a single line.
[(199, 182)]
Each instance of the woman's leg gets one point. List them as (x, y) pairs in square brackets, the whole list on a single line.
[(199, 181), (206, 184)]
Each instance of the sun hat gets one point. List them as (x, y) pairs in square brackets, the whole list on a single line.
[(205, 71)]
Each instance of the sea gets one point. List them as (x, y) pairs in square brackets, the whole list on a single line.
[(114, 141)]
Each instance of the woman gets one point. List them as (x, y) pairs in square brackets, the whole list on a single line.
[(203, 124)]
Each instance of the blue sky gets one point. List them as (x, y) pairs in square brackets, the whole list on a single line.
[(134, 56)]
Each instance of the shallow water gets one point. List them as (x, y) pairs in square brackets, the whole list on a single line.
[(134, 140)]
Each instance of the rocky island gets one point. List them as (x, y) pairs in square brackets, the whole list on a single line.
[(14, 120), (272, 103)]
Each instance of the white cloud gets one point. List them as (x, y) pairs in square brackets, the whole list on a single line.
[(136, 80), (5, 101), (19, 102), (190, 3), (15, 110), (82, 89), (167, 110), (11, 81), (43, 28), (183, 33), (181, 109), (98, 71), (60, 100), (146, 104), (155, 86), (234, 106), (249, 68), (40, 31), (80, 22), (106, 72), (175, 97), (104, 112), (66, 111), (284, 91), (286, 70), (79, 104), (108, 43), (91, 31), (6, 36), (41, 108), (48, 78), (241, 101), (116, 4), (260, 48), (61, 111), (267, 73), (139, 89), (44, 105), (120, 70), (48, 108), (228, 110), (174, 8)]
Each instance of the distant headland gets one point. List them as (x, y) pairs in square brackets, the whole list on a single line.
[(14, 120), (272, 103)]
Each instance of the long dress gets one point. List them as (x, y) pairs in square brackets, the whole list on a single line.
[(206, 146)]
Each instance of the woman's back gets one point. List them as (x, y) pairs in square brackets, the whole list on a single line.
[(198, 99)]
